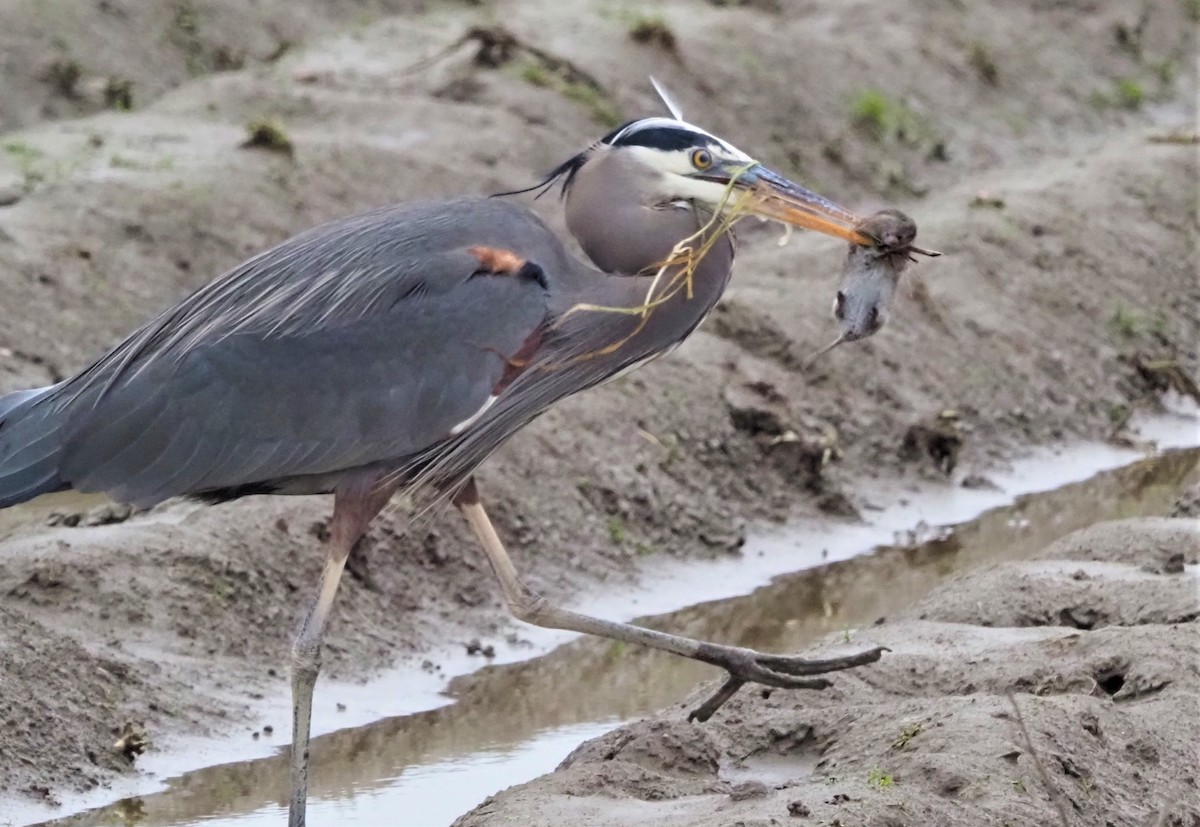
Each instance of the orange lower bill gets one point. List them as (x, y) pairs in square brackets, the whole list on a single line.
[(770, 203)]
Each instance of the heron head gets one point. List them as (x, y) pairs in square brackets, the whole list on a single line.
[(676, 161)]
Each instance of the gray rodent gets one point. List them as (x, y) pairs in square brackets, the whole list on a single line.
[(870, 275)]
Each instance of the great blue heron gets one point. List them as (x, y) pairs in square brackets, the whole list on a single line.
[(397, 349)]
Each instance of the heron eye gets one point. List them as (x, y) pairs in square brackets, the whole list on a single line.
[(702, 159)]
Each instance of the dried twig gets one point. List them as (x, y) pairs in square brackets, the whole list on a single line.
[(1056, 796), (498, 45), (1182, 138)]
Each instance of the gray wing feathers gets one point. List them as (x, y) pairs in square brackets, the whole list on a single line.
[(334, 274), (363, 341), (381, 373), (355, 342)]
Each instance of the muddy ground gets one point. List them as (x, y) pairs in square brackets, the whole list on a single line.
[(1044, 147), (1094, 640)]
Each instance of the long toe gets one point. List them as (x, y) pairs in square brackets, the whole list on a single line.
[(781, 681), (807, 666)]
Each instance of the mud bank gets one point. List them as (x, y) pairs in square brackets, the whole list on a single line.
[(1095, 641), (1068, 221)]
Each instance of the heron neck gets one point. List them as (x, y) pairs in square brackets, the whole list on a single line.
[(620, 221), (593, 310)]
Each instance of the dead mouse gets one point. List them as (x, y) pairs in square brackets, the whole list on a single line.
[(870, 275)]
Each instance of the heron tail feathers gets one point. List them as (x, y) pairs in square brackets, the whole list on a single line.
[(30, 445)]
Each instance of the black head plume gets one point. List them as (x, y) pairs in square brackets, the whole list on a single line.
[(564, 172), (665, 134)]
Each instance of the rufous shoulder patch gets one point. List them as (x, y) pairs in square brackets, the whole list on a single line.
[(497, 260)]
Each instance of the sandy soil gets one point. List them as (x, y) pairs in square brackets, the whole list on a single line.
[(1095, 640), (1078, 259)]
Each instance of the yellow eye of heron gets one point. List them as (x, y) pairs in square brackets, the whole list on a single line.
[(702, 159)]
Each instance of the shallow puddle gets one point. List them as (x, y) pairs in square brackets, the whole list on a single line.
[(514, 721)]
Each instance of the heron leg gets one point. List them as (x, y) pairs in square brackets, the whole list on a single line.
[(355, 504), (743, 665)]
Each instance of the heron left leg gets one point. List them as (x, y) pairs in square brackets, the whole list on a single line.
[(743, 665), (355, 504)]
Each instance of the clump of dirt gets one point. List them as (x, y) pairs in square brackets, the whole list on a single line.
[(949, 728), (1188, 504), (939, 440), (132, 741), (654, 31), (268, 135), (799, 447)]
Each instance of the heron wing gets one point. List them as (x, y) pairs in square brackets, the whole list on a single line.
[(365, 341)]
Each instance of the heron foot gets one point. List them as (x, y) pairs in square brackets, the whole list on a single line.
[(778, 671)]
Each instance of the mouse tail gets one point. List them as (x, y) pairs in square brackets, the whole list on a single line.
[(813, 359)]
